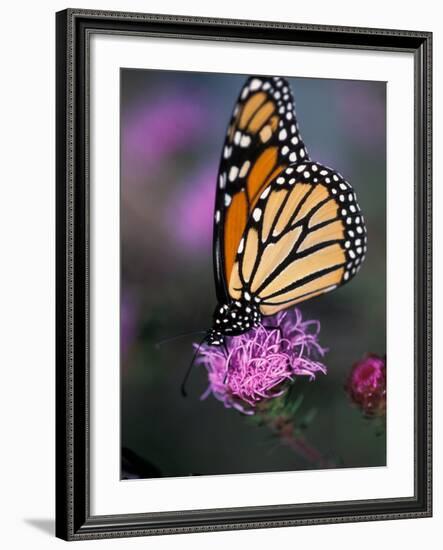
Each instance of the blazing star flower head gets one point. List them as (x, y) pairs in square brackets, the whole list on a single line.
[(366, 385), (259, 364)]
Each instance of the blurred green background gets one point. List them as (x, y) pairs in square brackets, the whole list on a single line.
[(172, 130)]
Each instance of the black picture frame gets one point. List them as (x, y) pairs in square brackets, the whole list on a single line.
[(74, 28)]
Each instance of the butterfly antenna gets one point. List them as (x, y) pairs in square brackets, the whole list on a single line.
[(176, 337), (188, 372)]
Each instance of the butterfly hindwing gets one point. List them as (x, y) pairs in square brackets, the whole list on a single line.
[(261, 142), (305, 236)]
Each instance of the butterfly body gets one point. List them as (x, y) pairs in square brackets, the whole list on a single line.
[(232, 319), (286, 228)]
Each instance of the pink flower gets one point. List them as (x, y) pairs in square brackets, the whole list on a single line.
[(366, 385), (193, 210), (260, 364)]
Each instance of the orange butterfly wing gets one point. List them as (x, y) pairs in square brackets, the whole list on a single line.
[(306, 236), (262, 140)]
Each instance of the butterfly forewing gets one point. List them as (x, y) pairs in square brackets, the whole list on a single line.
[(305, 236), (261, 142)]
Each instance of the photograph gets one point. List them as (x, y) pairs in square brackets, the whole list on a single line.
[(243, 274), (252, 273), (220, 235)]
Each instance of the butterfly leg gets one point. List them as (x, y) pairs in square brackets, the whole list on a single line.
[(227, 355)]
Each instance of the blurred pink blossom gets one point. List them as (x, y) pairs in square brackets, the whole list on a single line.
[(159, 128), (194, 210), (366, 385)]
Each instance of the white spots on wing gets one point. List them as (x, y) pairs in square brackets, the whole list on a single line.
[(277, 95), (285, 150), (289, 115), (294, 140), (292, 181), (222, 180), (217, 216), (293, 129), (233, 173), (241, 246), (352, 208), (327, 180), (347, 244), (346, 276), (323, 172), (289, 170), (306, 174), (341, 198), (343, 186), (266, 192), (266, 86), (228, 199), (283, 134), (245, 141), (280, 180), (257, 214), (302, 153), (255, 84), (335, 177), (314, 167), (301, 167), (237, 137), (359, 230), (245, 92), (293, 156), (245, 168), (227, 152)]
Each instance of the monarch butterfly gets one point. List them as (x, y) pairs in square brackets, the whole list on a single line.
[(286, 228)]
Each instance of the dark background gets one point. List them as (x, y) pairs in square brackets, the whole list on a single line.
[(172, 130)]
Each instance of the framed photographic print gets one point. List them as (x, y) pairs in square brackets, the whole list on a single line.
[(243, 274)]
